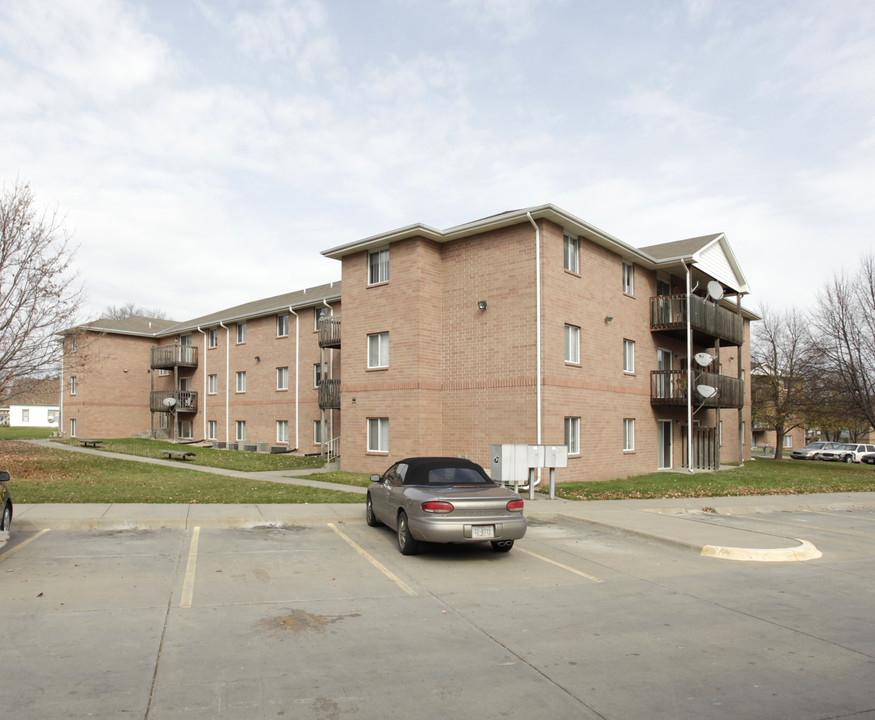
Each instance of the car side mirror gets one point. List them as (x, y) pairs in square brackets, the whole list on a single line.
[(4, 476), (375, 478)]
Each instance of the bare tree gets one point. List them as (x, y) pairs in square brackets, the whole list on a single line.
[(782, 373), (120, 312), (40, 294), (845, 336)]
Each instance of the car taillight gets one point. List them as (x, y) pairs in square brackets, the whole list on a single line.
[(437, 506), (515, 505)]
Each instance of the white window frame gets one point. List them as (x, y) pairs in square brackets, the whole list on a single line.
[(212, 384), (282, 325), (628, 278), (317, 432), (628, 356), (788, 442), (211, 429), (241, 333), (571, 253), (378, 344), (240, 430), (213, 337), (378, 267), (572, 435), (282, 431), (282, 378), (184, 429), (572, 344), (378, 435), (628, 434), (74, 384), (241, 381), (73, 426)]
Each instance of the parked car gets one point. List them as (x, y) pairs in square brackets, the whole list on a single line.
[(847, 452), (868, 459), (444, 500), (810, 451), (6, 500)]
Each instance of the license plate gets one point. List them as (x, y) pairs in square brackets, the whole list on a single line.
[(483, 531)]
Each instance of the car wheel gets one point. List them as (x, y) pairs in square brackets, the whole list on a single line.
[(369, 513), (6, 524), (846, 458), (502, 545), (407, 544)]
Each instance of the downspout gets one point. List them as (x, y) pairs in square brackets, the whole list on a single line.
[(204, 408), (297, 370), (331, 372), (227, 379), (739, 370), (689, 373), (539, 411)]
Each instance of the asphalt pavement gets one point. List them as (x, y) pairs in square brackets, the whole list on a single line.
[(687, 523)]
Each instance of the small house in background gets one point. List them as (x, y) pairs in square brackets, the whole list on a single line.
[(32, 402)]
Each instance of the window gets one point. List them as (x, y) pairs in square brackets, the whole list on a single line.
[(213, 337), (282, 325), (317, 432), (378, 350), (282, 378), (53, 416), (282, 431), (25, 415), (163, 373), (241, 382), (629, 434), (628, 278), (378, 435), (572, 435), (320, 372), (241, 332), (572, 263), (73, 427), (73, 384), (378, 267), (241, 430), (572, 344), (211, 430), (183, 429), (788, 441), (628, 356), (212, 384), (321, 312)]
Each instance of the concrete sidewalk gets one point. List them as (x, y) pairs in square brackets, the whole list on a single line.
[(689, 523)]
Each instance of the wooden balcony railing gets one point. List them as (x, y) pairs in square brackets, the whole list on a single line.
[(329, 394), (186, 401), (708, 320), (329, 331), (170, 356), (669, 387)]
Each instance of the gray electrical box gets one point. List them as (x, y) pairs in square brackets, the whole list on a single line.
[(509, 463)]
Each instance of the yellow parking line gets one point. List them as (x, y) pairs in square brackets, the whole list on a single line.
[(560, 565), (376, 563), (188, 584), (21, 545)]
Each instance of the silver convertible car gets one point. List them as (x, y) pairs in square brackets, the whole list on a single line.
[(444, 500)]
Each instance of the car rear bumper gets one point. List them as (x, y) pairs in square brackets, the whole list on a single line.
[(451, 530)]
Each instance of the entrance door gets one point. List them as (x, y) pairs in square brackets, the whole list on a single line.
[(663, 441), (663, 382)]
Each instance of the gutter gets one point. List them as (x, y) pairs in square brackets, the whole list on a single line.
[(297, 369), (539, 409), (204, 410), (227, 378)]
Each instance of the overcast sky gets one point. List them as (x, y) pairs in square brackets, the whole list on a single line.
[(203, 152)]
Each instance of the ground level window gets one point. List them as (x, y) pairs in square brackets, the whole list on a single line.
[(241, 430), (282, 431), (183, 429), (72, 428), (572, 435), (378, 434), (628, 434), (788, 441), (211, 430), (317, 432)]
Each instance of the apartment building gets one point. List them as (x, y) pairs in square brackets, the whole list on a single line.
[(244, 377), (530, 326)]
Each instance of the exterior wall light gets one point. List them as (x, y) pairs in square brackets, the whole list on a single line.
[(608, 319), (481, 304)]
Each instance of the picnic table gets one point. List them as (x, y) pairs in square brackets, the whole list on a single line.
[(177, 454), (90, 443)]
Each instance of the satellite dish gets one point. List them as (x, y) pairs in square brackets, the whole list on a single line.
[(169, 402), (703, 359), (715, 290), (706, 391)]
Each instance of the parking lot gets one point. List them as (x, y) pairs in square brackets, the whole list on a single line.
[(328, 620)]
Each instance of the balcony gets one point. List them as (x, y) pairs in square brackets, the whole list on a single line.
[(170, 356), (709, 321), (329, 332), (669, 387), (186, 401), (329, 394)]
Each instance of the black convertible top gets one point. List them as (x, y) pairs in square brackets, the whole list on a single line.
[(442, 471)]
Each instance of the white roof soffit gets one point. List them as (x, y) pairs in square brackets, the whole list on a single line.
[(716, 260)]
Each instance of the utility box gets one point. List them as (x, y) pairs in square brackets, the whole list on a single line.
[(535, 454), (555, 456), (509, 463)]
